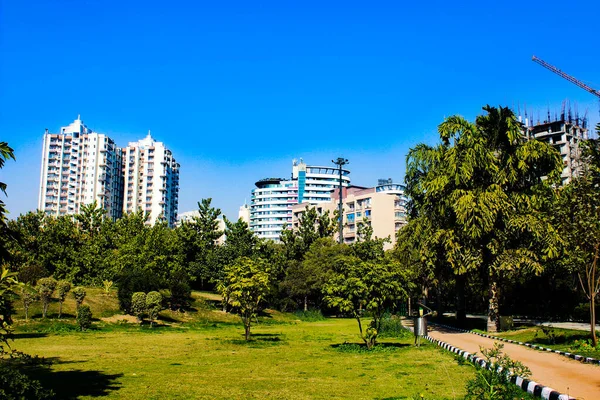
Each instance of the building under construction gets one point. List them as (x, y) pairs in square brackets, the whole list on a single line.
[(564, 133)]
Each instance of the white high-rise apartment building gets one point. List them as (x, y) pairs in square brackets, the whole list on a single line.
[(79, 167), (273, 198), (151, 180)]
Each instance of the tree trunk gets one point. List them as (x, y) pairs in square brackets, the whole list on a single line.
[(26, 312), (247, 329), (361, 331), (493, 322), (408, 311), (593, 321), (60, 309), (440, 311), (461, 313), (45, 309), (305, 303)]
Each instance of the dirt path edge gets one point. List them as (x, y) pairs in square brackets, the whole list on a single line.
[(531, 387)]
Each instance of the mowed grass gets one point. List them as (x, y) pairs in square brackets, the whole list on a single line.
[(202, 355), (559, 339)]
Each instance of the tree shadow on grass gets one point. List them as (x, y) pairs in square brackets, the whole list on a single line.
[(28, 335), (260, 340), (362, 347), (74, 383)]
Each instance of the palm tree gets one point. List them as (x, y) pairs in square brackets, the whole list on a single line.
[(481, 192)]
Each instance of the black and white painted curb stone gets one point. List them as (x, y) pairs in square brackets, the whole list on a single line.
[(577, 357), (527, 385)]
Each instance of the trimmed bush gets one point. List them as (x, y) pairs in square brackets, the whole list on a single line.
[(131, 281), (84, 317), (62, 288), (153, 305), (45, 288), (138, 305), (79, 294)]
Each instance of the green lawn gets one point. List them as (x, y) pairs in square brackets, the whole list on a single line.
[(557, 339), (202, 354)]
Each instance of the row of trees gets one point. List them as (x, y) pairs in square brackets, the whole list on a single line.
[(489, 223)]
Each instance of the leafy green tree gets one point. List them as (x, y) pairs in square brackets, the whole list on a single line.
[(366, 247), (153, 306), (578, 214), (373, 286), (488, 189), (45, 288), (138, 305), (9, 286), (206, 229), (62, 288), (311, 227), (79, 294), (305, 279), (246, 284), (240, 240), (90, 218)]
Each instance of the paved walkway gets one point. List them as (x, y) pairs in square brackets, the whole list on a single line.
[(582, 326), (564, 375)]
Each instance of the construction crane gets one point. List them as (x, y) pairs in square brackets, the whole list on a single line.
[(566, 76)]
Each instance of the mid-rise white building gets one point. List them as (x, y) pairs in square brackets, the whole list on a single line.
[(273, 198), (79, 167), (151, 180)]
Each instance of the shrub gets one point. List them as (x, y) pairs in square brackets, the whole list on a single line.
[(45, 288), (489, 384), (391, 327), (153, 305), (180, 291), (138, 305), (14, 385), (310, 315), (84, 317), (79, 294), (131, 281), (62, 288)]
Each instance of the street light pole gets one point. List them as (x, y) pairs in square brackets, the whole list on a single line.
[(340, 162)]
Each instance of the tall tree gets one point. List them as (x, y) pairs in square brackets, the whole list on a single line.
[(578, 213), (206, 227), (488, 187)]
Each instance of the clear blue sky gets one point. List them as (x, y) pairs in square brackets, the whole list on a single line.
[(239, 89)]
